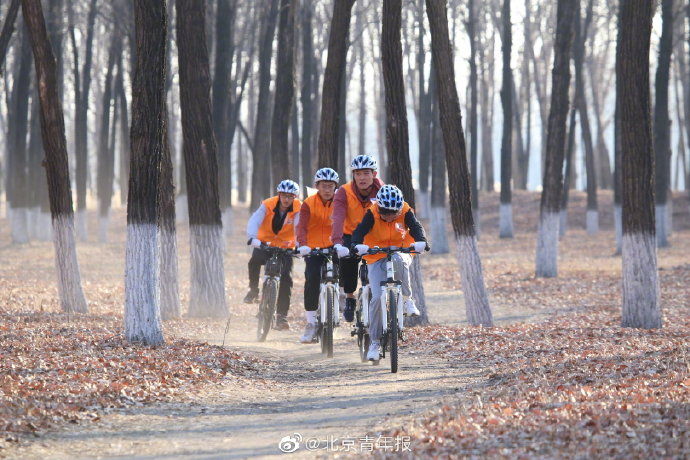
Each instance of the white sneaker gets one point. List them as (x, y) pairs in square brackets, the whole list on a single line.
[(409, 308), (309, 335), (374, 353)]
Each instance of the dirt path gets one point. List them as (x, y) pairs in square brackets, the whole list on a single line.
[(307, 394)]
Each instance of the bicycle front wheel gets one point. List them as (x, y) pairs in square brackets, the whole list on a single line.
[(393, 330), (267, 309), (327, 327)]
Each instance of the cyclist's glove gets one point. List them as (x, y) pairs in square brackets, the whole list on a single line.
[(361, 249), (341, 250), (420, 246)]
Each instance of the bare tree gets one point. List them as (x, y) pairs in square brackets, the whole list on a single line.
[(207, 295), (439, 199), (142, 308), (332, 84), (284, 90), (662, 123), (506, 207), (8, 29), (547, 239), (476, 299), (640, 278), (474, 140), (307, 97), (57, 170)]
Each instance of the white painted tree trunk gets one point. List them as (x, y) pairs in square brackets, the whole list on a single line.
[(563, 223), (669, 215), (592, 222), (439, 237), (169, 286), (72, 297), (44, 230), (505, 220), (476, 298), (547, 245), (476, 216), (661, 222), (103, 223), (618, 226), (82, 227), (226, 218), (19, 224), (142, 311), (417, 285), (423, 200), (641, 306), (181, 209), (32, 222), (207, 296)]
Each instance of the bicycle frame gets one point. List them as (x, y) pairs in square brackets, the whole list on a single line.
[(329, 280), (388, 286)]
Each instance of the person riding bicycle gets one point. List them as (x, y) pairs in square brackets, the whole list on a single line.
[(349, 206), (314, 231), (273, 223), (391, 222)]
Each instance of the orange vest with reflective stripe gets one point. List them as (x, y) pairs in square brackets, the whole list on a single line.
[(320, 222), (285, 238), (355, 209), (383, 234)]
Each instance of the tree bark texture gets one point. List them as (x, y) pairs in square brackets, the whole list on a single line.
[(57, 170), (505, 212)]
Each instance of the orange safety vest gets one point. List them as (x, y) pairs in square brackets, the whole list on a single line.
[(355, 209), (285, 238), (320, 222), (383, 234)]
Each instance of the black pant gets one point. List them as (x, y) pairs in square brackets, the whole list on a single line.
[(259, 258), (312, 281), (348, 269)]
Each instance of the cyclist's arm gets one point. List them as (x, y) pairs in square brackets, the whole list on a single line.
[(338, 216), (255, 221), (363, 228), (301, 224), (415, 226)]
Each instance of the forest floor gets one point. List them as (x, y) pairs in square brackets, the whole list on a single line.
[(557, 377)]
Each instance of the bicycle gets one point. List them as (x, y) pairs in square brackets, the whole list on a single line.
[(269, 289), (391, 296), (328, 317)]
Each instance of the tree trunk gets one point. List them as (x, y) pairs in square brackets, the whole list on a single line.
[(18, 178), (476, 299), (261, 172), (57, 170), (568, 176), (207, 294), (640, 278), (486, 63), (547, 239), (474, 141), (397, 134), (121, 98), (142, 282), (662, 123), (8, 29), (307, 92), (505, 224), (424, 124), (439, 238), (284, 90), (81, 119), (106, 158), (225, 19), (332, 84), (581, 104)]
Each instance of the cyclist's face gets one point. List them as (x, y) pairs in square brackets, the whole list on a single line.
[(389, 217), (326, 189), (364, 178), (286, 199)]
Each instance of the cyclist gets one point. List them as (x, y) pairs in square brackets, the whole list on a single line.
[(274, 223), (391, 222), (349, 205), (314, 231)]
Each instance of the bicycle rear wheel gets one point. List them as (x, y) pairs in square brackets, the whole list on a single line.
[(393, 330), (267, 309), (327, 327)]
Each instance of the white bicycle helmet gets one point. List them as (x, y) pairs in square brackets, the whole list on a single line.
[(363, 162), (390, 197), (288, 186), (327, 174)]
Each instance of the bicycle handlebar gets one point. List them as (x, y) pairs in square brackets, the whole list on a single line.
[(275, 249), (389, 250)]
